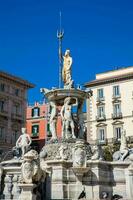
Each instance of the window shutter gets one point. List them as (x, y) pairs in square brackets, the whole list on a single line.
[(32, 112), (38, 111)]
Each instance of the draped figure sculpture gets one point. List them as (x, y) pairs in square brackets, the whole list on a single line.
[(66, 70), (53, 119), (123, 147)]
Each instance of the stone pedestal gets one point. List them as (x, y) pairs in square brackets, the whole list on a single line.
[(79, 172), (1, 172), (129, 182), (58, 179), (27, 192)]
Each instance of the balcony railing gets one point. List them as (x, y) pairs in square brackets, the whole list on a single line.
[(101, 118), (35, 135), (3, 113), (17, 116), (99, 99), (116, 140), (117, 115), (114, 96), (101, 142)]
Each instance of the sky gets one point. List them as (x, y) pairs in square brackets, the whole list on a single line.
[(99, 34)]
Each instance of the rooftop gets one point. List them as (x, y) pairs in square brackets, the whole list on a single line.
[(16, 79), (111, 76)]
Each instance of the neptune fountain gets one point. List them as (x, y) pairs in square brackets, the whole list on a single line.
[(66, 167)]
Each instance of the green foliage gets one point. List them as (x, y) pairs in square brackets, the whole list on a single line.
[(116, 147), (107, 153), (130, 146), (109, 150)]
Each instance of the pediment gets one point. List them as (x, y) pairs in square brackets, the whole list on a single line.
[(101, 124), (117, 122)]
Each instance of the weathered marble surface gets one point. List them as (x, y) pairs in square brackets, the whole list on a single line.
[(62, 182), (52, 150), (30, 168), (124, 153), (27, 192), (101, 177)]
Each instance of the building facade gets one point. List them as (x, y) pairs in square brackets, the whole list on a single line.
[(13, 101), (37, 124), (110, 109)]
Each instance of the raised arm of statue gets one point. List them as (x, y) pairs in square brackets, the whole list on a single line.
[(76, 102)]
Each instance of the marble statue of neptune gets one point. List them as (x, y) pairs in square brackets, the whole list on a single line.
[(66, 71)]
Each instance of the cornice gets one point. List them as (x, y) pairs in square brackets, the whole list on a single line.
[(109, 80), (16, 79)]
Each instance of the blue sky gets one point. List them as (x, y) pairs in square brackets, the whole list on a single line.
[(99, 34)]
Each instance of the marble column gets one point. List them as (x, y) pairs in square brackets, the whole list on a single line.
[(16, 189), (1, 172), (8, 187)]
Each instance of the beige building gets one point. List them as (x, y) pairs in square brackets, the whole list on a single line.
[(13, 103), (110, 109)]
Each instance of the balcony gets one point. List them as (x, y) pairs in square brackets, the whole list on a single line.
[(17, 117), (114, 96), (102, 142), (100, 99), (116, 140), (117, 115), (35, 135), (101, 118), (3, 113)]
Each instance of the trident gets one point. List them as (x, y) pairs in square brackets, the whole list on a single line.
[(60, 35)]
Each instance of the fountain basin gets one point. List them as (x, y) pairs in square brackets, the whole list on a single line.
[(58, 95)]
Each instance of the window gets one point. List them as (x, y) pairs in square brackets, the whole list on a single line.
[(35, 130), (116, 91), (16, 109), (2, 132), (100, 93), (15, 136), (117, 108), (100, 111), (118, 132), (35, 112), (16, 92), (2, 105), (48, 127), (2, 87), (101, 134)]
